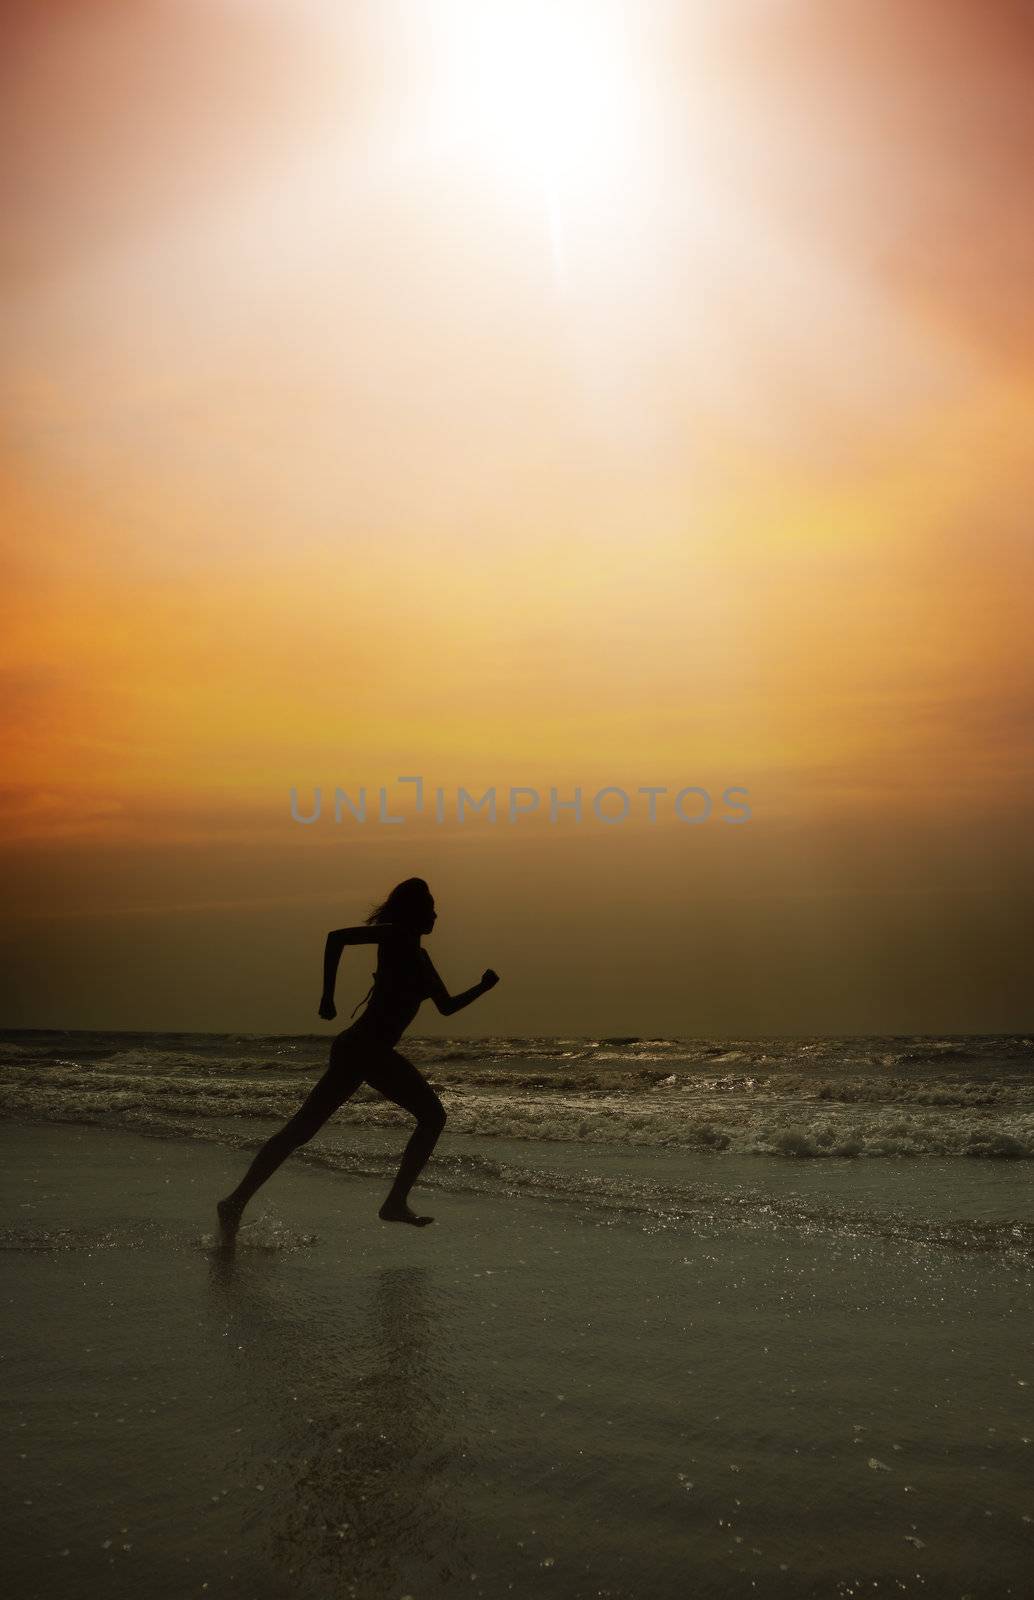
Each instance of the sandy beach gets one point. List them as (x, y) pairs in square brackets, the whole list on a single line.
[(533, 1396)]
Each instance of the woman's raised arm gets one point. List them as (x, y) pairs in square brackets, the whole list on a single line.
[(365, 933)]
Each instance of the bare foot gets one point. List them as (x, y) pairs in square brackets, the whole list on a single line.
[(398, 1211), (229, 1220)]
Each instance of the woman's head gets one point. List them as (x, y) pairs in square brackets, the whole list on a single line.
[(410, 904)]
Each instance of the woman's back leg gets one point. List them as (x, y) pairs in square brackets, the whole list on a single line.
[(341, 1079)]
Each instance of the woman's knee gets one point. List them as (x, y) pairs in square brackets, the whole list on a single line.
[(434, 1118)]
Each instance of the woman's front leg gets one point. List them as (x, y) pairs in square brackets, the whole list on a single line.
[(399, 1081)]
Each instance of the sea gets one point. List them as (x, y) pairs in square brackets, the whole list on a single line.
[(696, 1317)]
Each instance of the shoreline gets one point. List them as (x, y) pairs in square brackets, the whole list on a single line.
[(985, 1208)]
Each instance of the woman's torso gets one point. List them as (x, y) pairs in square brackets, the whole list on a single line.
[(400, 985)]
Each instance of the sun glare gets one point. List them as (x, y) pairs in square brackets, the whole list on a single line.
[(543, 90), (542, 97)]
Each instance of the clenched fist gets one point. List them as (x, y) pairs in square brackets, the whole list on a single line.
[(328, 1010), (489, 979)]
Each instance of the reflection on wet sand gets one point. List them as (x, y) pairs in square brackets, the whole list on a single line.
[(364, 1431)]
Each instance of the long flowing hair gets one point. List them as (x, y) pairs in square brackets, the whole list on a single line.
[(404, 903)]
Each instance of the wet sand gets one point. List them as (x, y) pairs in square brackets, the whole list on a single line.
[(528, 1397)]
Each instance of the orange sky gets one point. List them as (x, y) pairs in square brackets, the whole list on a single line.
[(572, 394)]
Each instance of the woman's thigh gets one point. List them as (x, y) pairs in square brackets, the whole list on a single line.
[(399, 1081), (348, 1063), (326, 1096)]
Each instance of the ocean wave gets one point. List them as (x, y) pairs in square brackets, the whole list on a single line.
[(721, 1122), (789, 1099)]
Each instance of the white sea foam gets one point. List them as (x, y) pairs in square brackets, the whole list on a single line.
[(791, 1099)]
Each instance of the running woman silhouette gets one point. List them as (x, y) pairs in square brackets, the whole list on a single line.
[(365, 1052)]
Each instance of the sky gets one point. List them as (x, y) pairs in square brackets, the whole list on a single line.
[(555, 396)]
